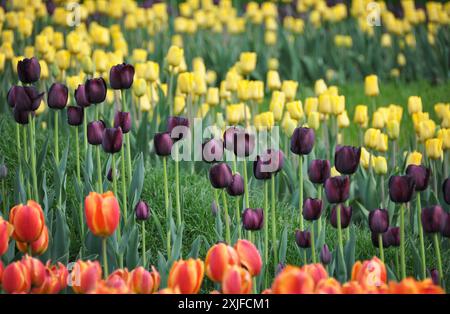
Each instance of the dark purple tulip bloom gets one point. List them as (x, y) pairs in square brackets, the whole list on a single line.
[(174, 122), (325, 255), (302, 141), (228, 137), (163, 144), (384, 239), (212, 150), (75, 115), (110, 175), (3, 171), (81, 97), (401, 188), (11, 96), (393, 236), (446, 190), (312, 208), (50, 6), (432, 218), (268, 163), (379, 220), (346, 159), (434, 274), (142, 211), (121, 76), (95, 132), (319, 171), (337, 189), (260, 175), (220, 176), (303, 239), (346, 216), (57, 96), (123, 119), (95, 90), (29, 70), (236, 187), (112, 140), (26, 98), (445, 226), (421, 176), (253, 219), (22, 117), (239, 141)]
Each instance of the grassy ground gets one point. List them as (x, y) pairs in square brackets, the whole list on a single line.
[(197, 193)]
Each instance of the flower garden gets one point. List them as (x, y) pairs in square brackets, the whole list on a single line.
[(224, 147)]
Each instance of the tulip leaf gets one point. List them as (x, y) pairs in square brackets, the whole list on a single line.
[(19, 195), (138, 179), (132, 256), (195, 247), (349, 249), (163, 268), (177, 244), (60, 239), (41, 157)]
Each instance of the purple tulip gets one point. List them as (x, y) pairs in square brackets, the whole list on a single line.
[(312, 208), (75, 115), (236, 187), (95, 132), (393, 236), (432, 218), (95, 90), (346, 159), (121, 76), (346, 216), (421, 176), (212, 150), (337, 189), (11, 96), (142, 211), (181, 126), (29, 70), (238, 140), (22, 117), (384, 239), (445, 226), (325, 255), (253, 219), (112, 140), (57, 96), (123, 119), (303, 239), (319, 171), (302, 141), (446, 190), (110, 175), (220, 176), (434, 274), (25, 98), (379, 220), (81, 97), (50, 6), (163, 144), (401, 188)]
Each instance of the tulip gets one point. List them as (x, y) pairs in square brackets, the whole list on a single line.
[(24, 99), (302, 141), (36, 270), (393, 236), (320, 87), (445, 227), (378, 221), (219, 258), (95, 133), (380, 166), (123, 120), (102, 213), (249, 256), (81, 96), (369, 274), (346, 216), (121, 76), (75, 115), (312, 209), (325, 255), (273, 80), (85, 276), (28, 221), (319, 171), (337, 189), (303, 239), (414, 104), (57, 96), (446, 190), (173, 127), (347, 158), (174, 56), (293, 280), (401, 188), (421, 176), (393, 129), (239, 141), (212, 150), (29, 70), (433, 148), (268, 163), (361, 116), (314, 120), (142, 210), (186, 276), (6, 230), (414, 158), (16, 278), (432, 218), (95, 90), (37, 247), (289, 88), (253, 219), (247, 62), (371, 85), (236, 280), (112, 140), (376, 240), (236, 186), (142, 281)]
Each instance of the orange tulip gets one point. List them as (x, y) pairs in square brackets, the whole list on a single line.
[(169, 291), (411, 286), (186, 276), (36, 270), (85, 276), (51, 284), (16, 278), (328, 286), (249, 256), (61, 272), (122, 273), (316, 271), (38, 247), (236, 280), (142, 281), (370, 273), (352, 287), (6, 229), (102, 213), (293, 280), (218, 259), (114, 285), (28, 221)]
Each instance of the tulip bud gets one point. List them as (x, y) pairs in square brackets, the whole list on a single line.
[(236, 280), (270, 162), (247, 62), (16, 278), (112, 140), (220, 175), (421, 176), (95, 132), (346, 159), (273, 80), (434, 273), (325, 255), (29, 70), (81, 97), (337, 189), (121, 76), (249, 256), (414, 104), (142, 210), (393, 236), (346, 216), (24, 99), (379, 220), (432, 218), (238, 140), (446, 190), (252, 219), (393, 129), (57, 96), (142, 281), (303, 239), (414, 158), (212, 150), (95, 90), (123, 120), (312, 208), (320, 87), (289, 88), (302, 141), (75, 115), (163, 143), (236, 187), (219, 258), (174, 56), (36, 269), (38, 247), (28, 221), (401, 188), (174, 122), (371, 85), (102, 213), (186, 275), (3, 172), (433, 148), (361, 115)]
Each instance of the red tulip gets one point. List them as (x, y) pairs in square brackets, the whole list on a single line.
[(6, 230), (16, 278), (236, 280), (102, 213), (186, 276), (28, 221), (249, 256), (218, 259)]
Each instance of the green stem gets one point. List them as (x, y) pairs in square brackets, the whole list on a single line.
[(105, 258), (313, 244), (380, 244), (77, 150), (402, 241), (33, 158), (266, 222), (124, 187), (85, 131), (341, 247), (144, 255), (25, 149), (300, 189), (177, 188), (382, 190), (227, 218), (99, 171), (421, 239), (238, 216), (274, 223), (128, 147), (247, 202), (319, 196), (4, 198), (56, 136), (19, 152), (30, 250), (166, 202), (438, 257)]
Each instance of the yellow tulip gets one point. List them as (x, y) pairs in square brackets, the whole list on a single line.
[(288, 124), (433, 148), (243, 91), (203, 111), (273, 80), (256, 90), (382, 143), (320, 87), (277, 104), (414, 158), (289, 88), (179, 104), (393, 129), (444, 135), (139, 55), (224, 93), (414, 104), (247, 61), (29, 52), (199, 84), (272, 64), (337, 104), (441, 109), (211, 77), (366, 158), (151, 71), (139, 87), (270, 38), (343, 120), (264, 121), (324, 103), (295, 109), (2, 61), (371, 137), (333, 91), (186, 82), (377, 120), (361, 116), (232, 78), (311, 105), (25, 27), (371, 85), (235, 113), (380, 165), (8, 36), (427, 129), (314, 120), (174, 56), (212, 96)]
